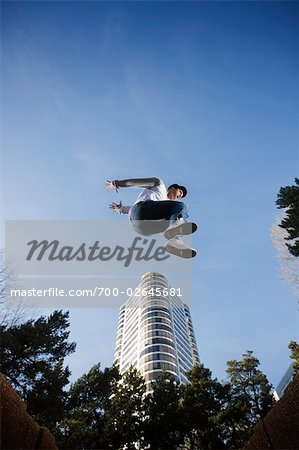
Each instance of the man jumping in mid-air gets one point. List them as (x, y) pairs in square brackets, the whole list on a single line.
[(157, 210)]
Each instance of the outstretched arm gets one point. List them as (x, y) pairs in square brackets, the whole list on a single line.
[(133, 182)]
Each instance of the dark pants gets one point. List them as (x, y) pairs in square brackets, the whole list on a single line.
[(150, 217)]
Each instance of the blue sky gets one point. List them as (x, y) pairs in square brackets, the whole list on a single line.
[(200, 93)]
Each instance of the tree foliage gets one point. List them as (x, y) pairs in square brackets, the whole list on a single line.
[(32, 356), (164, 428), (126, 412), (248, 381), (251, 396), (294, 347), (13, 310), (288, 199), (289, 264), (204, 400), (88, 398), (105, 410)]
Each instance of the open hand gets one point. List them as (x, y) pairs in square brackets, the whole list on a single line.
[(111, 186), (117, 207)]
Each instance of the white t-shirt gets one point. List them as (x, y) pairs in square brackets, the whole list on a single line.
[(156, 193)]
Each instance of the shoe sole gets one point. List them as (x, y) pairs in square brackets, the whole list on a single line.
[(184, 228), (182, 253)]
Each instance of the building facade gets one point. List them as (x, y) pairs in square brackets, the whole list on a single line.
[(283, 384), (155, 331)]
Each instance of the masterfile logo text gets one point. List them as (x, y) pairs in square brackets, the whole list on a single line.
[(87, 248), (140, 250)]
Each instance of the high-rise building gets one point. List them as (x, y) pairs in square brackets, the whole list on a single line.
[(285, 381), (155, 331)]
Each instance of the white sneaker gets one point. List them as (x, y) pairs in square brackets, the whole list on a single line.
[(177, 247), (179, 227)]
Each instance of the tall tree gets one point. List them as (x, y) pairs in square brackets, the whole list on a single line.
[(32, 356), (126, 412), (288, 199), (251, 396), (165, 424), (204, 399), (83, 426)]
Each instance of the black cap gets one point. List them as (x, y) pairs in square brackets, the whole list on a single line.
[(177, 186)]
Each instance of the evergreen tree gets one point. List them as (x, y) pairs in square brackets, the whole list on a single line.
[(235, 427), (32, 356), (126, 412), (83, 426), (294, 347), (204, 399), (250, 398), (288, 198), (164, 425)]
